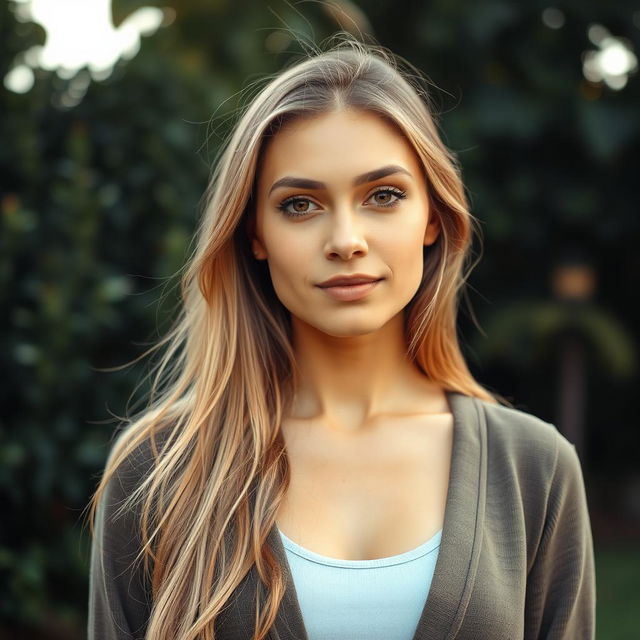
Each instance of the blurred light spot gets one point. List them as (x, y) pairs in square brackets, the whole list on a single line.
[(21, 10), (574, 281), (33, 55), (614, 60), (68, 101), (145, 20), (99, 76), (79, 85), (13, 454), (597, 33), (169, 16), (25, 353), (66, 73), (114, 288), (553, 18), (80, 33), (277, 41), (19, 79), (348, 16), (109, 194), (9, 204)]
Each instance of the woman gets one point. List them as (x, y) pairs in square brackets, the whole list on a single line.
[(316, 460)]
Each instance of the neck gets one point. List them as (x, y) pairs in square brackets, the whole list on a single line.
[(348, 382)]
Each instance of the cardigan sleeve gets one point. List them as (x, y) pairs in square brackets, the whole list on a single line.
[(561, 593), (119, 593)]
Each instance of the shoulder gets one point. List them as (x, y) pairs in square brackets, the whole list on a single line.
[(119, 582), (527, 443), (532, 468), (132, 470)]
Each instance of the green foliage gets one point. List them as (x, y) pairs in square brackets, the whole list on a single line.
[(525, 333), (98, 205), (617, 578)]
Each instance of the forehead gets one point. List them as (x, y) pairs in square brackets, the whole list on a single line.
[(341, 143)]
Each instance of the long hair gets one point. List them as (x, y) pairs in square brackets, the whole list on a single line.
[(228, 373)]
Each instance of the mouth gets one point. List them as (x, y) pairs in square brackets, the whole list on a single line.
[(349, 292), (343, 281)]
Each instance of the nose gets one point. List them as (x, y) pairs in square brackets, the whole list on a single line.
[(345, 236)]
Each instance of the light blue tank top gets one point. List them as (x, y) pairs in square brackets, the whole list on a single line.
[(380, 599)]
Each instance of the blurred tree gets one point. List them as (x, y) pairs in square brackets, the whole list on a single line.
[(549, 158), (99, 198)]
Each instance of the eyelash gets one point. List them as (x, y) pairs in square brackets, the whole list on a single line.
[(285, 203)]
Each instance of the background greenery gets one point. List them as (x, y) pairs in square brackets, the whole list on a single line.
[(98, 202)]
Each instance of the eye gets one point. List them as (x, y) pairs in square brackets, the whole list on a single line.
[(295, 201), (388, 192), (301, 206)]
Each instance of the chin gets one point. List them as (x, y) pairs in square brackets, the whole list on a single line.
[(349, 329)]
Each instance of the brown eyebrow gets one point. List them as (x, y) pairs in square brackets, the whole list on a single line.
[(369, 176)]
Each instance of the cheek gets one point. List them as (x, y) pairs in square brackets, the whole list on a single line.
[(404, 253), (288, 260)]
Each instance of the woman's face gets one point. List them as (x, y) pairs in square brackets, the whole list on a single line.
[(339, 194)]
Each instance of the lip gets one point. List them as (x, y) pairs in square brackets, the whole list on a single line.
[(348, 280), (350, 292)]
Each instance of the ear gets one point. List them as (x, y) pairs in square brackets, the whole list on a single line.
[(258, 249), (432, 231)]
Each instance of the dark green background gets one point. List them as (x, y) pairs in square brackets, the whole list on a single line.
[(98, 203)]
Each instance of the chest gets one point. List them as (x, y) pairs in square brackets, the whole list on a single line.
[(368, 495)]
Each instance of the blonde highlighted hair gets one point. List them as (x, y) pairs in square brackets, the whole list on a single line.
[(228, 373)]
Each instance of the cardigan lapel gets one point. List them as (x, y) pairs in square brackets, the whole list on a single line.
[(460, 543), (461, 540)]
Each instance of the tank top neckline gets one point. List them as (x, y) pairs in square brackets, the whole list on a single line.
[(412, 554)]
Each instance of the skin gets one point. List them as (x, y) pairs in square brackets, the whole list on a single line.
[(351, 354), (369, 435)]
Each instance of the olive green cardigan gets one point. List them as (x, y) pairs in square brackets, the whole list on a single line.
[(515, 559)]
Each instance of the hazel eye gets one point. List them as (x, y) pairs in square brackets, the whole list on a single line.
[(295, 201), (389, 193)]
